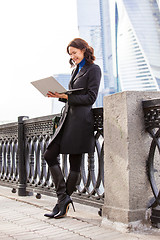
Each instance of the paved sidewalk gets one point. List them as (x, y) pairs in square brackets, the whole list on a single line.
[(21, 218)]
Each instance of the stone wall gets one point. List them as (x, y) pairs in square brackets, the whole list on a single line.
[(126, 148)]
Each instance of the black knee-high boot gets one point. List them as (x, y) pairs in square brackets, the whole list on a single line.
[(72, 182), (64, 200)]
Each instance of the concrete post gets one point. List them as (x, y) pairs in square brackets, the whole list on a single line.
[(126, 147)]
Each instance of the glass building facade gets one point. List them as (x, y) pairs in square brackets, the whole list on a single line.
[(89, 26), (126, 37), (137, 44)]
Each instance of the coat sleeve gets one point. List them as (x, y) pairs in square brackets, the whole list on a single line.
[(89, 98), (62, 100)]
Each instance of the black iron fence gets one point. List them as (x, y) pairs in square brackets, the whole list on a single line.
[(22, 165), (152, 124)]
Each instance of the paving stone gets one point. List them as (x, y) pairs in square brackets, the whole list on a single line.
[(6, 237), (22, 218)]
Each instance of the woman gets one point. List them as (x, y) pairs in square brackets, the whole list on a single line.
[(75, 134)]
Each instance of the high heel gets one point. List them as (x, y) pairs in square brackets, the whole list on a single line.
[(64, 206), (73, 206), (61, 209), (54, 212)]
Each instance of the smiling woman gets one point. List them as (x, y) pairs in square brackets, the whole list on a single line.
[(78, 49), (75, 132), (76, 54), (34, 35)]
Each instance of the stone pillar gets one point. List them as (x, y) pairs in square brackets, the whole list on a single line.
[(126, 148)]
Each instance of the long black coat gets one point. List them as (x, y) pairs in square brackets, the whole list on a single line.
[(77, 122)]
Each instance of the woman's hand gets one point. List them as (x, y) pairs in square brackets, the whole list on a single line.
[(57, 95)]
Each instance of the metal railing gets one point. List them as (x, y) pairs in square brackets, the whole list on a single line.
[(22, 165), (152, 124)]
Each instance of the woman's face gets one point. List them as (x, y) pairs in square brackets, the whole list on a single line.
[(76, 54)]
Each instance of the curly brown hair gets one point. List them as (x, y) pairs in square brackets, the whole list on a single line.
[(82, 44)]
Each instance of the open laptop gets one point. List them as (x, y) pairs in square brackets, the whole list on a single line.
[(51, 84)]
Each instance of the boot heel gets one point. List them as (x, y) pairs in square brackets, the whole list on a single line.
[(73, 206), (64, 207)]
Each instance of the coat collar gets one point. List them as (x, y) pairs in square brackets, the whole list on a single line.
[(80, 73)]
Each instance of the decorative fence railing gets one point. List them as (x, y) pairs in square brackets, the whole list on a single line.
[(22, 165), (152, 124)]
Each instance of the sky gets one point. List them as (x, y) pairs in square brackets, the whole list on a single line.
[(34, 37)]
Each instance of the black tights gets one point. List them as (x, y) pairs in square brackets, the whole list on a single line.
[(52, 153)]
